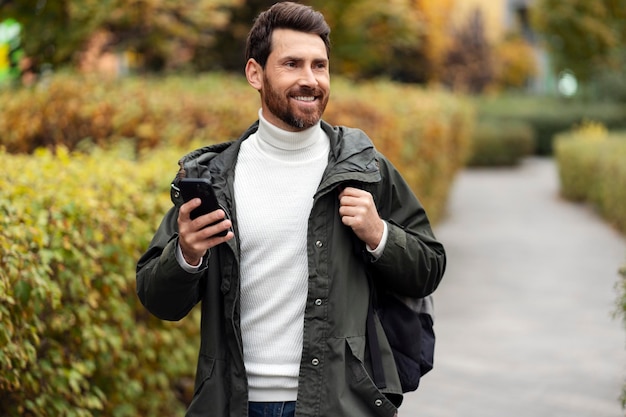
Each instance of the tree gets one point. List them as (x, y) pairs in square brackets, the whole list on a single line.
[(54, 31), (436, 38), (227, 52), (469, 64), (515, 62), (368, 35), (584, 36)]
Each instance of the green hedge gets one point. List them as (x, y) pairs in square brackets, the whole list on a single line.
[(426, 134), (549, 116), (501, 143), (76, 110), (592, 168), (74, 340), (408, 123), (621, 311)]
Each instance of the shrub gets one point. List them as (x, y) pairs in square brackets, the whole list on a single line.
[(621, 311), (407, 123), (74, 340), (500, 143), (425, 134), (591, 169), (549, 116), (78, 110)]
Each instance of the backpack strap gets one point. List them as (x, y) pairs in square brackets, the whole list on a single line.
[(375, 356)]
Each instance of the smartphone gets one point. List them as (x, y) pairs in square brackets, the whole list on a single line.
[(201, 188)]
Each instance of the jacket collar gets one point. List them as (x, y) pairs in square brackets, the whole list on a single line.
[(352, 157)]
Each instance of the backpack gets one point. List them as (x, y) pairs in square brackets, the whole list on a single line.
[(408, 325)]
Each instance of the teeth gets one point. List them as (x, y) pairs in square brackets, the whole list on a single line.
[(303, 98)]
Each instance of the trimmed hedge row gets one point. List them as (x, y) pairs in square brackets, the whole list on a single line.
[(78, 111), (549, 116), (74, 340), (407, 123), (621, 311), (501, 143), (425, 134), (592, 169)]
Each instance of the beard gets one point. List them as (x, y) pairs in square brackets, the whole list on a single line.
[(285, 110)]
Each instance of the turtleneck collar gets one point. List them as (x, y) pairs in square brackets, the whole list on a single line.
[(274, 139)]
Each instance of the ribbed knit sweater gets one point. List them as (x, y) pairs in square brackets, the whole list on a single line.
[(276, 176)]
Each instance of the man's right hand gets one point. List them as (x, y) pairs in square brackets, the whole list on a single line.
[(195, 236)]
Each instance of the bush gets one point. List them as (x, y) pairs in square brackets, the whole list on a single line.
[(76, 110), (499, 143), (407, 123), (621, 311), (592, 169), (425, 134), (74, 340), (549, 116)]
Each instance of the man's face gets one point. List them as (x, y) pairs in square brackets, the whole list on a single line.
[(296, 80)]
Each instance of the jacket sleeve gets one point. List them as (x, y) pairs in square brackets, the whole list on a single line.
[(163, 286), (413, 261)]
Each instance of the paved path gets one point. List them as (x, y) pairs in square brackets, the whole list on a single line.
[(524, 315)]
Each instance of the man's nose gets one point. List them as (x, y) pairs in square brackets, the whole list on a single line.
[(307, 77)]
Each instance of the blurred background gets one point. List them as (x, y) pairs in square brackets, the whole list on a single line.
[(572, 48), (99, 99)]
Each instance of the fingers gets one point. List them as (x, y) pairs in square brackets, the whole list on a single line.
[(356, 206), (185, 210), (184, 216), (358, 211), (198, 235)]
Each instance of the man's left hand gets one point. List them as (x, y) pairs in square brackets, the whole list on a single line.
[(358, 211)]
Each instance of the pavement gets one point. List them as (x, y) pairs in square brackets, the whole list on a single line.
[(525, 319)]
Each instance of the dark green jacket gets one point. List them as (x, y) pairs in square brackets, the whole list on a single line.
[(334, 372)]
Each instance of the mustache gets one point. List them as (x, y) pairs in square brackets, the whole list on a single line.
[(307, 91)]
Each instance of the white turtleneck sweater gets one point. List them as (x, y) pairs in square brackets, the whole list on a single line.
[(276, 176)]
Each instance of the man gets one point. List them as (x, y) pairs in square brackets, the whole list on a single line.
[(311, 211)]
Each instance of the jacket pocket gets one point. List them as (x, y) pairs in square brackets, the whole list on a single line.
[(209, 396), (360, 381)]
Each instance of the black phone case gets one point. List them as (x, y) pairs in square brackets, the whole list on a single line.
[(201, 188)]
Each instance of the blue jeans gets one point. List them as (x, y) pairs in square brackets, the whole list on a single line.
[(286, 409)]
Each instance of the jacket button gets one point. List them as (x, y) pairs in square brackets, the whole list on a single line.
[(318, 302), (378, 402), (319, 244), (315, 361)]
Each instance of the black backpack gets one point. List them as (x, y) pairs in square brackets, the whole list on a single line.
[(408, 325)]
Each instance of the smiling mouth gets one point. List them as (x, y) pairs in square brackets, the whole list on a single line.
[(307, 99)]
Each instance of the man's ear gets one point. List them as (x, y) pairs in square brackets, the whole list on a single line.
[(254, 74)]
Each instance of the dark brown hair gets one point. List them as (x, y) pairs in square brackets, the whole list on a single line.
[(284, 15)]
